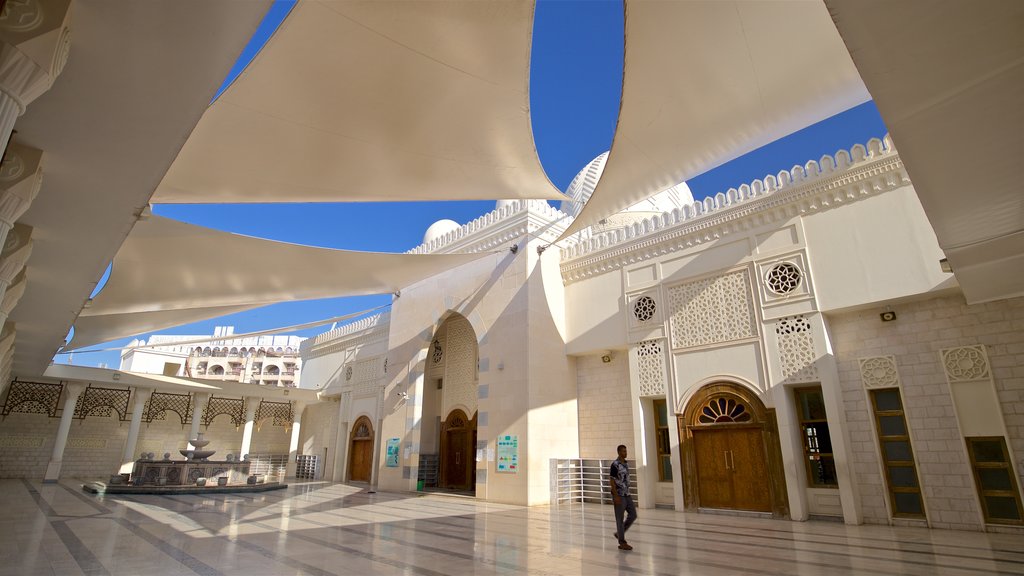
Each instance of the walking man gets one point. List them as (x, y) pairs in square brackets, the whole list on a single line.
[(619, 483)]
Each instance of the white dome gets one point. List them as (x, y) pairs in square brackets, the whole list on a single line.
[(582, 186), (439, 229)]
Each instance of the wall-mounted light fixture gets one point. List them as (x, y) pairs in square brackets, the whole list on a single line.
[(944, 265), (402, 395), (887, 316), (606, 357)]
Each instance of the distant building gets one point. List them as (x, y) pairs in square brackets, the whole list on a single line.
[(262, 360)]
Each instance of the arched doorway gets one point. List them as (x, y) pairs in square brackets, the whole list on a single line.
[(730, 454), (360, 459), (458, 437)]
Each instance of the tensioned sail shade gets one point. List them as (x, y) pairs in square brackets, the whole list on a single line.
[(373, 101), (90, 330), (708, 81), (169, 273), (948, 79)]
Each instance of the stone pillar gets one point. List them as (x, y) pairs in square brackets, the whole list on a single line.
[(251, 404), (35, 38), (199, 404), (72, 392), (293, 444), (341, 440), (378, 434), (128, 459), (7, 335)]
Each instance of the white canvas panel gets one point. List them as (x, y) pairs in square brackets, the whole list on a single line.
[(373, 101), (949, 86), (708, 81), (169, 273)]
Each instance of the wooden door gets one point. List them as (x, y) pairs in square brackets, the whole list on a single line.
[(362, 460), (749, 468), (361, 451), (456, 460), (456, 463), (714, 481), (732, 470)]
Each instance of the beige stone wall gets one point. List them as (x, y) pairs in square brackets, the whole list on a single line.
[(319, 430), (605, 415), (95, 445), (921, 330)]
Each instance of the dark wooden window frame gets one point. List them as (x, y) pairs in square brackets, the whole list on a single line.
[(887, 464)]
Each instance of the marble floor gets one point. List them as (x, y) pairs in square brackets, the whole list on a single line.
[(323, 528)]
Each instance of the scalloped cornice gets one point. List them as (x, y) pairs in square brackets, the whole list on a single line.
[(499, 228), (364, 331), (818, 185)]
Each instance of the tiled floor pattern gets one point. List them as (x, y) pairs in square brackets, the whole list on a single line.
[(324, 528)]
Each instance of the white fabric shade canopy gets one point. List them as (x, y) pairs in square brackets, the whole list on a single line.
[(169, 273), (373, 101), (948, 80), (708, 81)]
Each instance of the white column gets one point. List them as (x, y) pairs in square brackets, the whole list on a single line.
[(379, 434), (199, 403), (251, 404), (72, 392), (128, 459), (9, 112), (341, 438), (293, 444)]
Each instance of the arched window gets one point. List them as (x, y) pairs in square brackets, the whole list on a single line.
[(217, 370)]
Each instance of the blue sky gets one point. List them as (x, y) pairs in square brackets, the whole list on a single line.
[(575, 84)]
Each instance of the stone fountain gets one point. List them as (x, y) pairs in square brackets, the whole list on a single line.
[(197, 453)]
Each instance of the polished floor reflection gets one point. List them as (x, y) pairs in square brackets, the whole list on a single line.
[(325, 528)]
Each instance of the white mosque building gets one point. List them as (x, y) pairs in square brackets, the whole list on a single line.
[(792, 347), (843, 339)]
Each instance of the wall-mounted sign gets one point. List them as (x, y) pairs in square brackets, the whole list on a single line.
[(392, 453), (508, 454)]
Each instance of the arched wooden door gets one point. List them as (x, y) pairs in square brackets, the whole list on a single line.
[(730, 452), (458, 435), (360, 459)]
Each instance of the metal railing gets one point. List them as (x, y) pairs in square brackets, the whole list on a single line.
[(585, 480)]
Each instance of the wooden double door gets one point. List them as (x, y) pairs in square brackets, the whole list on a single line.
[(732, 468), (457, 461)]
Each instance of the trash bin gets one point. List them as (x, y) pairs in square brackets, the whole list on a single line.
[(419, 485)]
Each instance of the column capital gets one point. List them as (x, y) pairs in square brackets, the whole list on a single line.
[(142, 394), (35, 39), (13, 294), (16, 251), (7, 336), (21, 176), (73, 390)]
